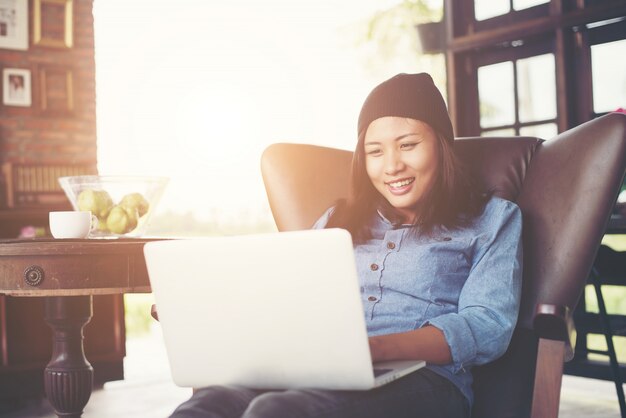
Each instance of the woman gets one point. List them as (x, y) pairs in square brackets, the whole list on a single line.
[(439, 265)]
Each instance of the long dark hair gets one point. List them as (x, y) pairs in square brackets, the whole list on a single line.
[(452, 202)]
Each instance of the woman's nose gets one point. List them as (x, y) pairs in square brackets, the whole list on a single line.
[(393, 164)]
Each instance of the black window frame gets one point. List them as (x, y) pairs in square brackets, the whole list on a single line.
[(564, 24)]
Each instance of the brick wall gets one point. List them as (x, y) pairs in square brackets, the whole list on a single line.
[(60, 124)]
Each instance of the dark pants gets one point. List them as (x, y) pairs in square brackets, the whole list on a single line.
[(420, 394)]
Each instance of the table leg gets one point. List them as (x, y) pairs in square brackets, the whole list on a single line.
[(68, 377)]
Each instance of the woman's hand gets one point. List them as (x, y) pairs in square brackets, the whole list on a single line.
[(377, 345), (427, 343)]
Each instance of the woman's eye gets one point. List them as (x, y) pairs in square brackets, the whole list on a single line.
[(408, 145), (374, 152)]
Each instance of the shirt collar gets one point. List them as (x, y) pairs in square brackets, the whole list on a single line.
[(388, 222)]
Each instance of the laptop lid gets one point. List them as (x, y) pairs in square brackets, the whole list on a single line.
[(278, 310)]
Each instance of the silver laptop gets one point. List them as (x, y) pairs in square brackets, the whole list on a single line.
[(279, 310)]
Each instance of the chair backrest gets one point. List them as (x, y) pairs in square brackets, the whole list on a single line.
[(566, 188)]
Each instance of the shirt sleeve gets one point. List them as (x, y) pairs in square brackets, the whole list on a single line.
[(480, 331), (323, 220)]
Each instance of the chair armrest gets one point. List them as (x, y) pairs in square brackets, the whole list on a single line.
[(153, 312), (556, 322)]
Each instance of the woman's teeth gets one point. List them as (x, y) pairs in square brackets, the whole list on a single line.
[(401, 183)]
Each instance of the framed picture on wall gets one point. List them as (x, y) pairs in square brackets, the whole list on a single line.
[(47, 31), (16, 87), (14, 24)]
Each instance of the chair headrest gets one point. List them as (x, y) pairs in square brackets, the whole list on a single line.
[(500, 164)]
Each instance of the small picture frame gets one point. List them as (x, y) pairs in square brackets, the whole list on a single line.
[(16, 87), (14, 24), (53, 23)]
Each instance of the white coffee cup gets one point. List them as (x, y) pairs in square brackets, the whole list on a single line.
[(72, 224)]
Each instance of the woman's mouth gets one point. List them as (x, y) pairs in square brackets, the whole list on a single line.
[(400, 187)]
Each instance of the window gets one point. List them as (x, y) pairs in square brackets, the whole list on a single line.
[(609, 81), (496, 92), (518, 97), (487, 9), (534, 67), (525, 4)]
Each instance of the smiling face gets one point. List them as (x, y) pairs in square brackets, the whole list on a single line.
[(402, 161)]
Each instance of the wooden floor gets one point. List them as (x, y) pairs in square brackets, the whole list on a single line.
[(147, 391)]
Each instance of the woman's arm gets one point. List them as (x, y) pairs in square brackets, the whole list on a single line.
[(481, 329), (427, 343)]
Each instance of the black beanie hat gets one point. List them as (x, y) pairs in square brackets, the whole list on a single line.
[(410, 96)]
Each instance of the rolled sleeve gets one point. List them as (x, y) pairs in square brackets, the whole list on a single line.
[(459, 337)]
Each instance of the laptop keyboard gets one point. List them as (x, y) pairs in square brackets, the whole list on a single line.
[(379, 372)]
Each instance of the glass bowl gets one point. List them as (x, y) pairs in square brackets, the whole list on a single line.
[(122, 204)]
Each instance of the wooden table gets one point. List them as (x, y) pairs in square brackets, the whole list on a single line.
[(68, 273)]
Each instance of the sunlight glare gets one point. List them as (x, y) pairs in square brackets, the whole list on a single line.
[(195, 90)]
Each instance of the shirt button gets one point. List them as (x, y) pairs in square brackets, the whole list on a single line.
[(372, 298), (391, 245), (374, 266)]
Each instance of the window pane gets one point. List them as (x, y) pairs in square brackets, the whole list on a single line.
[(608, 67), (545, 131), (536, 88), (499, 132), (485, 9), (525, 4), (495, 92), (598, 342)]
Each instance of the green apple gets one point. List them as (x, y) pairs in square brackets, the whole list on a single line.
[(133, 217), (118, 220), (97, 201), (136, 201)]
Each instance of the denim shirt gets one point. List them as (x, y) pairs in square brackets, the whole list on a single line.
[(465, 281)]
